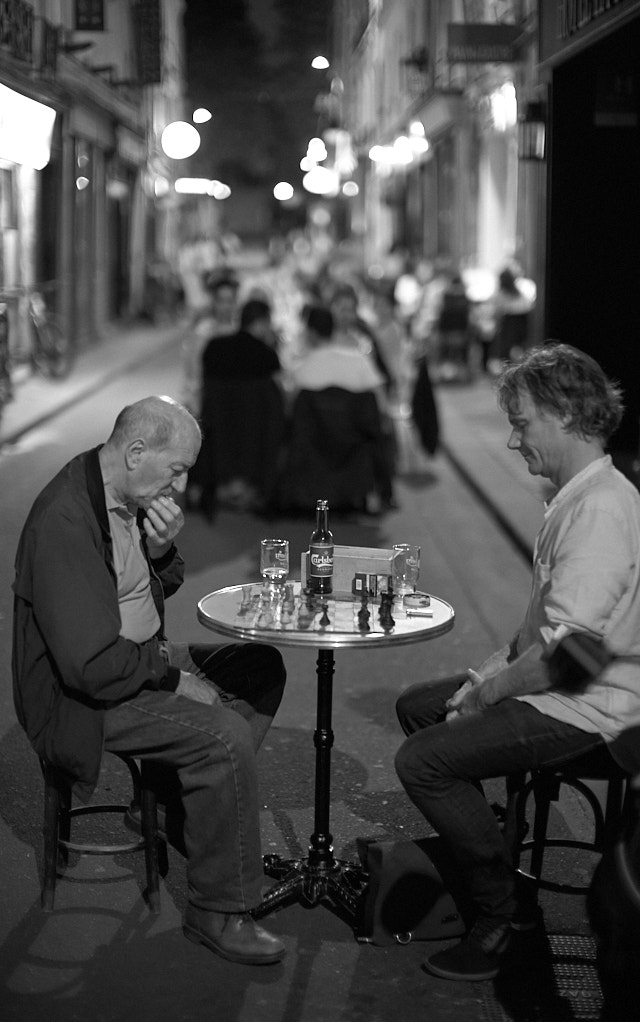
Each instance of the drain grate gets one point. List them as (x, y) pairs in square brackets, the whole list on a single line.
[(551, 978)]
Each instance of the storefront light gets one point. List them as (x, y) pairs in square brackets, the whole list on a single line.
[(26, 128), (504, 107)]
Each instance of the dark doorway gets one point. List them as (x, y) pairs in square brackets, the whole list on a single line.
[(593, 254)]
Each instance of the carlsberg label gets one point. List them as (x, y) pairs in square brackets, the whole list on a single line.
[(321, 561)]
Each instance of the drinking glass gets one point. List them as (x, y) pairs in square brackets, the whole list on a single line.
[(274, 561), (405, 568)]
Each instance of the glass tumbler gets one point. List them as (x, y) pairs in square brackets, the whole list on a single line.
[(405, 568), (274, 561)]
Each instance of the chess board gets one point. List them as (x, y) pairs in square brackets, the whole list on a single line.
[(290, 616)]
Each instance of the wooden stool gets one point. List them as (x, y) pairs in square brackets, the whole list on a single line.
[(58, 813), (596, 765)]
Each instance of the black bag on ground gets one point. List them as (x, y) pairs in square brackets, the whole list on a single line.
[(406, 897), (424, 411)]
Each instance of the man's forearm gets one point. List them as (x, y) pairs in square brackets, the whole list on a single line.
[(527, 674)]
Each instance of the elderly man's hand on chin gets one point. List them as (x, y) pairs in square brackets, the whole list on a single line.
[(163, 522)]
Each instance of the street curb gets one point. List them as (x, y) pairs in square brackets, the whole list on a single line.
[(524, 549)]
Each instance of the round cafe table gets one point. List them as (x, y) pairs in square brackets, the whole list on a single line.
[(288, 616)]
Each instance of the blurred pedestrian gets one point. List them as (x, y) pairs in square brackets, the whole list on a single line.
[(453, 332), (336, 439), (242, 415), (511, 307), (220, 317)]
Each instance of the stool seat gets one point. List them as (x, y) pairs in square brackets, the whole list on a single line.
[(546, 784), (59, 813)]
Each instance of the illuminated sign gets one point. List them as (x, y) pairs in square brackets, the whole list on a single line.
[(26, 128)]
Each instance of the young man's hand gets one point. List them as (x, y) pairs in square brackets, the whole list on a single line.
[(466, 699)]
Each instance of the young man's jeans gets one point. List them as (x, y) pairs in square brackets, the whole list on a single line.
[(213, 749), (442, 763)]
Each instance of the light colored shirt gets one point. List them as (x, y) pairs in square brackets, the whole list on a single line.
[(138, 615), (337, 365), (586, 578)]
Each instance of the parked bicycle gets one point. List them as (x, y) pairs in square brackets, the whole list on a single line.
[(48, 349), (53, 354)]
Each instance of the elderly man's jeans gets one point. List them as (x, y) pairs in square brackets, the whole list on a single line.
[(213, 749), (441, 765)]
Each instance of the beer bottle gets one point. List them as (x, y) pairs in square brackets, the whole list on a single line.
[(320, 579)]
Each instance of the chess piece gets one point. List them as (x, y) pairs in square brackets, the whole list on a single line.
[(325, 619), (386, 620), (363, 615)]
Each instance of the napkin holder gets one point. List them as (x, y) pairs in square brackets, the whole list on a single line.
[(357, 570)]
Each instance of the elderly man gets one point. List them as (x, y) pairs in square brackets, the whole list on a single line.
[(509, 716), (92, 668)]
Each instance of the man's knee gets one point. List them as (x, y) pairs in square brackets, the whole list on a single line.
[(257, 661), (412, 760)]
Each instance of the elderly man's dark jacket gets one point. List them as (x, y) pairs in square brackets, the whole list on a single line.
[(69, 660)]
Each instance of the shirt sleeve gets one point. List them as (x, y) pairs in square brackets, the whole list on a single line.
[(590, 572)]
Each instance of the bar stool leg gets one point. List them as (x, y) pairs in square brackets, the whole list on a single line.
[(546, 789), (148, 808), (50, 833)]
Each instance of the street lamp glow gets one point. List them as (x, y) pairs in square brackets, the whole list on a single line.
[(321, 181), (201, 115), (219, 190), (179, 140), (320, 63), (283, 191), (350, 189), (192, 185), (316, 150)]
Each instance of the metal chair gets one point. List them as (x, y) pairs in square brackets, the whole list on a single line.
[(546, 786), (59, 812)]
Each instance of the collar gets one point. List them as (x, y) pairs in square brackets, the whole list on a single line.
[(576, 482)]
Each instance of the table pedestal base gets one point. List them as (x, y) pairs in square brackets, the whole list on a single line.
[(338, 883)]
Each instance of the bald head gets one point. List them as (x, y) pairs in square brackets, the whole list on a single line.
[(153, 445), (158, 420)]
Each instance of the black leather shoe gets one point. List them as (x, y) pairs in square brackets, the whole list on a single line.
[(234, 936)]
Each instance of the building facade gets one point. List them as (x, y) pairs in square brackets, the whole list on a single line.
[(83, 209), (491, 131)]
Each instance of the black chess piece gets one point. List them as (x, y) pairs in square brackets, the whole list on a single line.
[(325, 619), (387, 622), (363, 615)]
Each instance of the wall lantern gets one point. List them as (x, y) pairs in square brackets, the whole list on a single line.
[(532, 131)]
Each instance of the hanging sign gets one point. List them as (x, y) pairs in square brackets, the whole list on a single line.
[(482, 44)]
